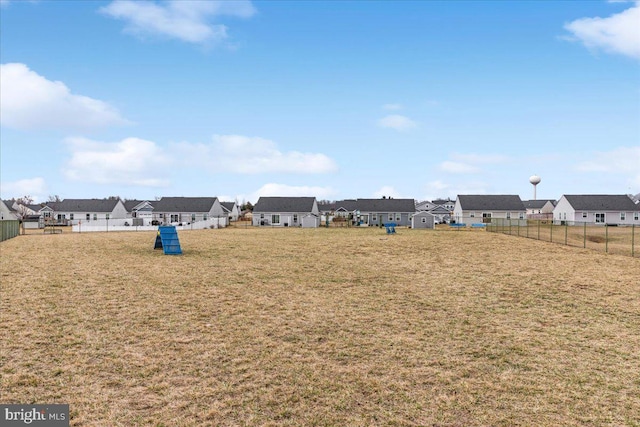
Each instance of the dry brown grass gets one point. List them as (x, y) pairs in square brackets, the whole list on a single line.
[(326, 327)]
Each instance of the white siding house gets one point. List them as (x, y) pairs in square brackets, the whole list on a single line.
[(476, 209), (597, 209), (286, 212), (73, 211), (183, 210)]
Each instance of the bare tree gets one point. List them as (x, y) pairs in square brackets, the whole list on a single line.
[(23, 210), (54, 199)]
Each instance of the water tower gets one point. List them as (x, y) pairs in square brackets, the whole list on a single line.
[(534, 180)]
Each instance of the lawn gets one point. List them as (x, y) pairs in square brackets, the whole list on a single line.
[(321, 327)]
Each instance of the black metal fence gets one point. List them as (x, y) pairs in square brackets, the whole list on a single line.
[(613, 239)]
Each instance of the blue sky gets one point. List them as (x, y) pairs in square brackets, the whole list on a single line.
[(418, 99)]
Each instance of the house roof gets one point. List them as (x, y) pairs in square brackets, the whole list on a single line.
[(537, 204), (602, 202), (378, 205), (284, 204), (442, 201), (491, 202), (228, 206), (84, 205), (130, 204), (184, 204)]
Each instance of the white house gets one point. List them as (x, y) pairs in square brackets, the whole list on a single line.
[(231, 209), (140, 211), (180, 210), (597, 209), (5, 211), (73, 211), (482, 208), (286, 212), (539, 209)]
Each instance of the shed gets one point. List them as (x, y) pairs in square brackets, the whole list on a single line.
[(310, 221), (423, 219)]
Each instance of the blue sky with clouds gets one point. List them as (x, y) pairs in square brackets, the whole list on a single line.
[(332, 99)]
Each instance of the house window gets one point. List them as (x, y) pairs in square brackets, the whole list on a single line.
[(472, 214), (261, 216), (95, 217), (521, 215), (584, 215), (564, 215), (623, 216), (295, 217), (599, 218), (204, 217), (88, 217), (488, 215), (193, 217), (424, 220), (390, 217), (174, 218), (508, 215), (636, 216), (107, 216), (375, 218), (275, 219), (71, 216), (398, 217)]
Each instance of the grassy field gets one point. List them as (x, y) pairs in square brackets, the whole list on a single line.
[(321, 327)]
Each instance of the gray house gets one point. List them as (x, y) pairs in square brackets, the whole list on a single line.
[(423, 219), (482, 208), (377, 211), (182, 210), (286, 212), (597, 209)]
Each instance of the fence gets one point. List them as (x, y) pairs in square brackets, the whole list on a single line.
[(118, 225), (619, 239), (10, 228)]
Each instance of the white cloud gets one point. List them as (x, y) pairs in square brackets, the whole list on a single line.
[(252, 155), (458, 167), (392, 107), (275, 190), (397, 122), (132, 161), (439, 189), (618, 33), (387, 191), (186, 20), (469, 163), (34, 187), (29, 101), (620, 161)]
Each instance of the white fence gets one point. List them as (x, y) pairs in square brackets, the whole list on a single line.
[(118, 225)]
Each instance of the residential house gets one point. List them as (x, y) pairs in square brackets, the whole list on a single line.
[(140, 211), (231, 209), (482, 208), (539, 209), (374, 212), (7, 212), (74, 211), (597, 209), (183, 210), (286, 212), (423, 219)]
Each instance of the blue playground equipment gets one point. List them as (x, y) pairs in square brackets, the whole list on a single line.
[(167, 240), (391, 227)]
